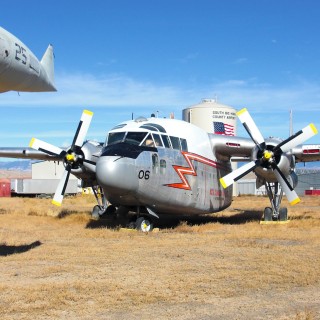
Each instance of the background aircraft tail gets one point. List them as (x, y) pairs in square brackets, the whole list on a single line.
[(47, 63)]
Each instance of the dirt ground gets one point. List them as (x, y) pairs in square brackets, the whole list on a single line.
[(57, 263)]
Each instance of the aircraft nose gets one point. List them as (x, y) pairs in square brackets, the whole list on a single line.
[(117, 175)]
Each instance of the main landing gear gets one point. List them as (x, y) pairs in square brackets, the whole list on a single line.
[(275, 194), (139, 221)]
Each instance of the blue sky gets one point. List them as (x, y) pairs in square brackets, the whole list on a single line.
[(142, 56)]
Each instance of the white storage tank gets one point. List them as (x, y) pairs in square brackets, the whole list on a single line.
[(212, 117)]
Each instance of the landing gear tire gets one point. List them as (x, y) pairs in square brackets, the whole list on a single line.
[(95, 213), (111, 210), (283, 214), (267, 214), (144, 225)]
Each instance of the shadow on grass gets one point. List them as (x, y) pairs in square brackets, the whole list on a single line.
[(9, 250), (243, 217), (172, 221), (65, 213)]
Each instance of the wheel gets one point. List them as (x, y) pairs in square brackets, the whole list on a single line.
[(95, 212), (283, 214), (267, 214), (144, 225), (111, 210)]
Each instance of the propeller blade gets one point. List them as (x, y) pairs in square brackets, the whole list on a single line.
[(237, 174), (62, 186), (253, 131), (286, 187), (298, 138), (46, 147), (82, 129)]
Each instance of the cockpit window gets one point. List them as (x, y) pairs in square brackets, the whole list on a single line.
[(157, 140), (175, 143), (115, 137), (166, 141), (135, 137), (184, 145), (148, 142)]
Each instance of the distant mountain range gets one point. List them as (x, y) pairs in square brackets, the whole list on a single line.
[(19, 165)]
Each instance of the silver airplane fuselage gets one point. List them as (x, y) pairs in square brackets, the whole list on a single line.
[(20, 70), (165, 165)]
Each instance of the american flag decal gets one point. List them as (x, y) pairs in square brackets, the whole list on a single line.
[(223, 128)]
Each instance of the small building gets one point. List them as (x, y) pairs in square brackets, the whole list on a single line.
[(46, 176), (5, 188)]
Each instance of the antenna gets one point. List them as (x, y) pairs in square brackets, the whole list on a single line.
[(291, 125)]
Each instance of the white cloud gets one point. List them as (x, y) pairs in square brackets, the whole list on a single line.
[(121, 91), (119, 94)]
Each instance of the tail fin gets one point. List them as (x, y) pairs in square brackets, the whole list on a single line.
[(47, 63)]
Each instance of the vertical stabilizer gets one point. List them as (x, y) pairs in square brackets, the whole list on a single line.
[(47, 63)]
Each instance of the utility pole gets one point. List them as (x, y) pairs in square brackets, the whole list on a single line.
[(291, 124)]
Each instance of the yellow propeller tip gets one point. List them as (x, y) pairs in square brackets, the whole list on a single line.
[(295, 201), (56, 203), (90, 113), (31, 142), (313, 128), (241, 111), (223, 183)]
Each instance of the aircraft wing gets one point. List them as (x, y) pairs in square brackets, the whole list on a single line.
[(240, 149), (231, 147), (26, 153), (307, 152)]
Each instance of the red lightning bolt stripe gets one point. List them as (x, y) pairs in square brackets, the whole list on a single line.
[(183, 171)]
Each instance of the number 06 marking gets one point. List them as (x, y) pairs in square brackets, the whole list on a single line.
[(144, 174)]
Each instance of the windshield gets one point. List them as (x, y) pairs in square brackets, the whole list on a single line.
[(115, 137), (135, 137)]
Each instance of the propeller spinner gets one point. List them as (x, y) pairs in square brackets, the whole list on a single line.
[(72, 158), (268, 158)]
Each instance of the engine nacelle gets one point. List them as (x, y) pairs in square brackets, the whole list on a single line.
[(284, 161), (86, 170)]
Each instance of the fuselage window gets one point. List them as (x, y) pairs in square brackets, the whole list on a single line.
[(163, 166), (157, 140), (135, 137), (165, 140), (184, 145), (148, 142), (175, 143), (115, 137), (155, 163)]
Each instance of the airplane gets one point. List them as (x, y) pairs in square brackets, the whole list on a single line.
[(156, 166), (20, 70)]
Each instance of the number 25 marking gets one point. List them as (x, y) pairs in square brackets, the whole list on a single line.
[(20, 54)]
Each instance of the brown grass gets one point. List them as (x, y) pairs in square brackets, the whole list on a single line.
[(57, 263)]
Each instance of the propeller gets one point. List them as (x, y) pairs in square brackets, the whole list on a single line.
[(267, 158), (72, 158)]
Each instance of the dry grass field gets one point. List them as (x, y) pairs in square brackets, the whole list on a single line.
[(56, 263)]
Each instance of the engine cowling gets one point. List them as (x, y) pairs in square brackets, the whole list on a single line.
[(90, 151), (284, 161)]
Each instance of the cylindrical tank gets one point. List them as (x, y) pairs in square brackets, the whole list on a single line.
[(212, 117)]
